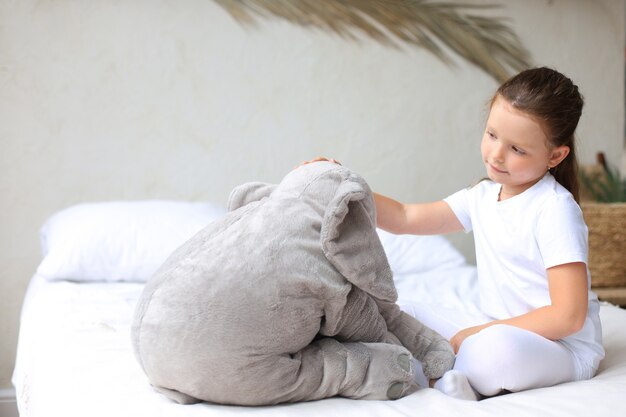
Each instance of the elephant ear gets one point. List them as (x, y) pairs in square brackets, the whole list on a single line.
[(350, 242), (249, 192)]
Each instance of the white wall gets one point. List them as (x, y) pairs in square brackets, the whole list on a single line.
[(106, 99)]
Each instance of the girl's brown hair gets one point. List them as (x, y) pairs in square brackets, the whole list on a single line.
[(554, 101)]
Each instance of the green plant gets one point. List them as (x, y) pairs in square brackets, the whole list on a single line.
[(605, 186)]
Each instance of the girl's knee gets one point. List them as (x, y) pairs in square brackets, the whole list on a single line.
[(494, 345), (488, 357), (503, 357)]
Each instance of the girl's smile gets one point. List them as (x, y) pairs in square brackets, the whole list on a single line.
[(496, 170)]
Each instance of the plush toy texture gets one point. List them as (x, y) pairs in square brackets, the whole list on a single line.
[(288, 297)]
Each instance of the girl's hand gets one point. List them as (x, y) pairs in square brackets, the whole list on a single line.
[(319, 159), (457, 339)]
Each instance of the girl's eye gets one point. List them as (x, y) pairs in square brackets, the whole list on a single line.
[(518, 150), (491, 135)]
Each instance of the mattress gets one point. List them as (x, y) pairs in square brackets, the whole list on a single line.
[(75, 359), (74, 356)]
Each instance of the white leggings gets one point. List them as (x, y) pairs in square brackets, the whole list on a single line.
[(501, 357)]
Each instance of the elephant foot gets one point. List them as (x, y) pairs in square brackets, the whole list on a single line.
[(390, 373)]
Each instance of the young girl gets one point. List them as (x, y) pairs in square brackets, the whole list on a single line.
[(540, 325)]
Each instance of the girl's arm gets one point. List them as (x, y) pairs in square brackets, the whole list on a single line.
[(417, 219), (564, 316)]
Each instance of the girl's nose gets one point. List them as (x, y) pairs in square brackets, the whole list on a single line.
[(497, 152)]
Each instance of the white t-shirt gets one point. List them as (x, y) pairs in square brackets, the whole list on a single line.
[(516, 241)]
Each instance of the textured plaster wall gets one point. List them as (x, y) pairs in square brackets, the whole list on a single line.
[(105, 99)]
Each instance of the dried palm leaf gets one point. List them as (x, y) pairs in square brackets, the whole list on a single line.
[(484, 41)]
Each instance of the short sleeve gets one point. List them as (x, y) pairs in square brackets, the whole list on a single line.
[(459, 203), (561, 232)]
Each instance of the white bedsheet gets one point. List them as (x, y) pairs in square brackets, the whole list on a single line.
[(75, 360)]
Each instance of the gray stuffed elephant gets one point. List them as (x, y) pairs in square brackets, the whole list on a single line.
[(288, 297)]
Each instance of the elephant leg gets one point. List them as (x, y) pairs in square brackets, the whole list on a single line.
[(328, 368), (360, 320), (390, 374), (426, 345)]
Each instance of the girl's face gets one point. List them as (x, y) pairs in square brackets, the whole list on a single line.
[(515, 149)]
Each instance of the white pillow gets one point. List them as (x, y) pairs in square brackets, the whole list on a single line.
[(408, 254), (118, 241), (129, 240)]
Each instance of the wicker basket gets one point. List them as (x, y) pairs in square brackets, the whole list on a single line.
[(607, 243)]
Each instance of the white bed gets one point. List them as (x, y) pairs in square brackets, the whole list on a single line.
[(75, 357)]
